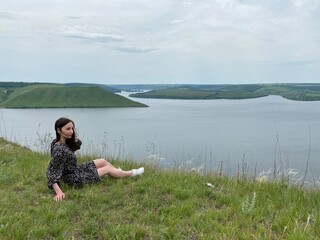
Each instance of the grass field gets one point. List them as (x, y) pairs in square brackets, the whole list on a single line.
[(63, 96), (157, 205)]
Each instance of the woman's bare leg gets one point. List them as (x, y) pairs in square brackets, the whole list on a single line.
[(104, 167)]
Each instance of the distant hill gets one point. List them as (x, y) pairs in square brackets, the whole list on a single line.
[(299, 92), (106, 87), (62, 96)]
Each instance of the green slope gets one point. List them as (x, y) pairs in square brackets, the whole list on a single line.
[(63, 96), (300, 92), (158, 205)]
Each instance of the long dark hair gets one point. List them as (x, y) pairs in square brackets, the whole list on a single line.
[(73, 143)]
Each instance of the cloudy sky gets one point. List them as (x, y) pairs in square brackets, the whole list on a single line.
[(167, 41)]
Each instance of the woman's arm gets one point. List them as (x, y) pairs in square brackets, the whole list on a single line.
[(55, 171), (59, 194)]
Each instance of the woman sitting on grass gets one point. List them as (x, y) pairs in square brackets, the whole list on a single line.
[(63, 164)]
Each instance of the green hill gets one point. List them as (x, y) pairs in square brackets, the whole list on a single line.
[(300, 92), (64, 96), (158, 205)]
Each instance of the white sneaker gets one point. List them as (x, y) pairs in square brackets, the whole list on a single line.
[(137, 172)]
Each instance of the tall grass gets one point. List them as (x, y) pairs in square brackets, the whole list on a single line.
[(175, 204), (200, 164)]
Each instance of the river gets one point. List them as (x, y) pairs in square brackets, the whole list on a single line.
[(253, 135)]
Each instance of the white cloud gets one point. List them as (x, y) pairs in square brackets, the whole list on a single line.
[(92, 35), (7, 15), (134, 49), (306, 6), (217, 34)]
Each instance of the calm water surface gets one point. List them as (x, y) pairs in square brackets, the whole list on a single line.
[(254, 133)]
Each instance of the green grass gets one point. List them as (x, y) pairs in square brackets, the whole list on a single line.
[(158, 205), (64, 96)]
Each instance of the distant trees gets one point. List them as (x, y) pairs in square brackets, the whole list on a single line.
[(8, 85)]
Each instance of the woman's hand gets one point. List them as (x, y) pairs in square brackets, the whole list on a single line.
[(59, 194), (59, 197)]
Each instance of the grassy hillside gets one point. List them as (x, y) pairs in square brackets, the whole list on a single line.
[(157, 205), (108, 88), (301, 92), (64, 96)]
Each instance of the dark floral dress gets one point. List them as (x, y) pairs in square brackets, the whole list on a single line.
[(63, 167)]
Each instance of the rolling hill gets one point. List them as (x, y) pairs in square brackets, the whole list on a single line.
[(63, 96), (299, 92)]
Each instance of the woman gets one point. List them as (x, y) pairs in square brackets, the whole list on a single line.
[(63, 164)]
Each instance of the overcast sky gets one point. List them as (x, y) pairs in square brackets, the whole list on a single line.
[(149, 41)]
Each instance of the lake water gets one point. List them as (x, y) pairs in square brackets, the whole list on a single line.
[(235, 135)]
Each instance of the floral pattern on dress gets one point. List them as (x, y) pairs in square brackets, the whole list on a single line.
[(63, 167)]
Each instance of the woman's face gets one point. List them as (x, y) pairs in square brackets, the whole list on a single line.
[(66, 131)]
